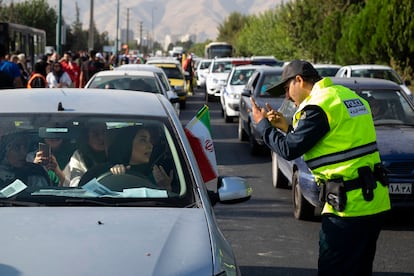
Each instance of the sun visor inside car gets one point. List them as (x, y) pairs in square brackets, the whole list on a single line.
[(58, 132)]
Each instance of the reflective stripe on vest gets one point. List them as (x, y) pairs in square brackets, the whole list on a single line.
[(342, 156)]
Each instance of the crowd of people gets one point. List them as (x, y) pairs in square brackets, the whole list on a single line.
[(52, 70), (73, 70)]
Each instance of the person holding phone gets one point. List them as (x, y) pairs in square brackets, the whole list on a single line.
[(54, 154)]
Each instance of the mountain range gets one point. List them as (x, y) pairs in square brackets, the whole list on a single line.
[(160, 17)]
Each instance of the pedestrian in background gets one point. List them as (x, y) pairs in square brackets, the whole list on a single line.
[(10, 76), (38, 77), (70, 67), (334, 131), (57, 78)]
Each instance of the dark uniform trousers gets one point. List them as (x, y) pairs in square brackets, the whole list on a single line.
[(347, 245)]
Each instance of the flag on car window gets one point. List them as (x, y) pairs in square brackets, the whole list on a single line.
[(198, 133)]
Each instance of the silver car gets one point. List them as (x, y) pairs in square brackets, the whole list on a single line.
[(135, 77), (109, 222)]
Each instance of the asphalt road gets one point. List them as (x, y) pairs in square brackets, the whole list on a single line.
[(265, 237)]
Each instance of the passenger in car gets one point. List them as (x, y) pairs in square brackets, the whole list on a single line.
[(13, 150), (91, 151), (56, 163), (133, 154)]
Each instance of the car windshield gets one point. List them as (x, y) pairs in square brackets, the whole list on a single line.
[(204, 64), (389, 107), (128, 82), (378, 74), (173, 72), (77, 160), (241, 76), (268, 81), (222, 67)]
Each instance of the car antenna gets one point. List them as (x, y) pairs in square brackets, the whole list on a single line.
[(60, 107)]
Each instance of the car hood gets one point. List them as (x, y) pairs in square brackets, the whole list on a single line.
[(394, 141), (104, 241), (219, 76), (237, 89)]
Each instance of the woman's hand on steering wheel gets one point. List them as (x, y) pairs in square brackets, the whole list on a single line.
[(119, 169), (163, 179)]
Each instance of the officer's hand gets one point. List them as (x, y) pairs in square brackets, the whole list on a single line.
[(276, 118), (258, 113)]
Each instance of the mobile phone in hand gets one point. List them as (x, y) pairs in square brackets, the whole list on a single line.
[(45, 148)]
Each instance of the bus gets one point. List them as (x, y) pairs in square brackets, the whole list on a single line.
[(218, 49), (18, 38)]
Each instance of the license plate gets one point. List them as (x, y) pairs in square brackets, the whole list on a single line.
[(400, 188)]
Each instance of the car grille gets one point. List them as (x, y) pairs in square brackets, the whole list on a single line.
[(401, 168)]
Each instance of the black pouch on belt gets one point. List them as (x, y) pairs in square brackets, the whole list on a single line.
[(336, 194), (368, 182), (381, 174)]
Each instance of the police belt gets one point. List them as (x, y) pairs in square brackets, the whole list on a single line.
[(334, 191), (379, 174)]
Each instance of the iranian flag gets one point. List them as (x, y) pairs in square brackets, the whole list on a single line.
[(199, 134)]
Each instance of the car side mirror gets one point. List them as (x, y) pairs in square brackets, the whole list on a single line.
[(230, 190), (246, 92), (407, 82)]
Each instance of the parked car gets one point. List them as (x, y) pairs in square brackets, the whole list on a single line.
[(230, 93), (142, 80), (176, 76), (201, 72), (394, 125), (327, 70), (161, 75), (263, 78), (374, 71), (113, 224)]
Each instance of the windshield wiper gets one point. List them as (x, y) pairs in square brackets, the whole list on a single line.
[(5, 202), (88, 201)]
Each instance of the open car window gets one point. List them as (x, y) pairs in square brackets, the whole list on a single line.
[(67, 160)]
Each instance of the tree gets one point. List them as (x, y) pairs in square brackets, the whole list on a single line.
[(228, 31)]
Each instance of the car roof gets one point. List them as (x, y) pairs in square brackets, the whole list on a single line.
[(368, 66), (82, 100), (121, 72), (144, 67), (326, 65), (356, 83), (162, 61), (266, 68)]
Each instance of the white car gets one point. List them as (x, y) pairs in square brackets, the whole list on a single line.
[(162, 76), (109, 224), (231, 91), (202, 71), (217, 75), (374, 71), (327, 70), (146, 78)]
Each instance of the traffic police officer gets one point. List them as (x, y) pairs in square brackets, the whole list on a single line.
[(334, 131)]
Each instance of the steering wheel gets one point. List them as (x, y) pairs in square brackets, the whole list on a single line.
[(118, 182)]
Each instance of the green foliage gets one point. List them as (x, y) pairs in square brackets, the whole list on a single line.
[(229, 30), (38, 14), (35, 13)]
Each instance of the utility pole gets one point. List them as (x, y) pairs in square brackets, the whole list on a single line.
[(127, 28), (91, 28), (117, 33), (59, 30), (140, 36)]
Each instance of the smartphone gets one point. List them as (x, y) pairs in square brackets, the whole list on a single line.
[(45, 148)]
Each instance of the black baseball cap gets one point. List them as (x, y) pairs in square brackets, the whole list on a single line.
[(291, 70)]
